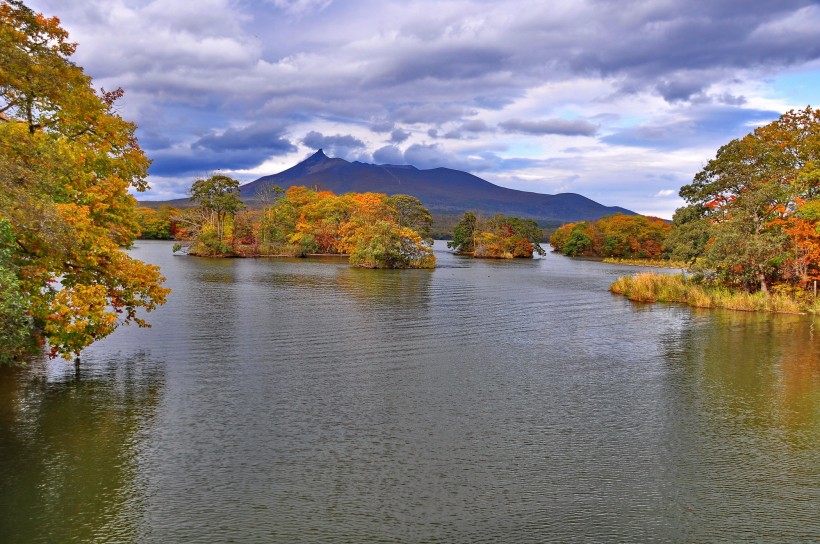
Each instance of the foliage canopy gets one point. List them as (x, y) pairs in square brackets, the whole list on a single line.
[(498, 237), (618, 235), (67, 160), (752, 216)]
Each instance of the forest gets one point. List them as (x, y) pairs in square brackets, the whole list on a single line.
[(750, 226), (618, 235), (372, 229)]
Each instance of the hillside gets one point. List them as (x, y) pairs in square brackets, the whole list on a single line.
[(444, 191)]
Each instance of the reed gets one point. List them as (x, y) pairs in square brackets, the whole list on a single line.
[(654, 287)]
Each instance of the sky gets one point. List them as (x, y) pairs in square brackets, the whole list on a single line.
[(620, 101)]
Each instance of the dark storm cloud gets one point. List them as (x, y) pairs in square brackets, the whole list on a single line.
[(564, 127)]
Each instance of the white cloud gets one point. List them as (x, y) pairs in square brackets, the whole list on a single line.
[(654, 87)]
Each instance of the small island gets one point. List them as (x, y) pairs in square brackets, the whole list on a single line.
[(498, 237), (372, 230)]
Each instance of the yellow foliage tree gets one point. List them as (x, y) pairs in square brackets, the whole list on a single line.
[(68, 161)]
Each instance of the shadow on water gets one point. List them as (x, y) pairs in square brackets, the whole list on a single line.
[(69, 445)]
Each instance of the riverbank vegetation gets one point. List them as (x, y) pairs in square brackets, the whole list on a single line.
[(498, 237), (372, 229), (614, 236), (653, 287), (750, 232), (67, 161), (651, 263)]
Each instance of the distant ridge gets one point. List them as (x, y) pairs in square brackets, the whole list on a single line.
[(443, 190)]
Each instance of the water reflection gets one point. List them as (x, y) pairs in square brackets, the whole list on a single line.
[(760, 370), (303, 400), (69, 446)]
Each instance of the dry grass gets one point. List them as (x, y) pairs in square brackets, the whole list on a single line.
[(653, 287), (652, 263)]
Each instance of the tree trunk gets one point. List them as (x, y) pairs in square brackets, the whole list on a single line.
[(763, 287)]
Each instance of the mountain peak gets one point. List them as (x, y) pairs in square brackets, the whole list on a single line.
[(442, 190)]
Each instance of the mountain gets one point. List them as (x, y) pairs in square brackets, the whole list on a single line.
[(441, 190)]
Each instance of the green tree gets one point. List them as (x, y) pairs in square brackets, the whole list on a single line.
[(67, 161), (748, 194), (219, 196), (464, 234), (15, 323), (690, 233), (411, 213)]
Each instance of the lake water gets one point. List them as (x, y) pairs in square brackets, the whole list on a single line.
[(287, 400)]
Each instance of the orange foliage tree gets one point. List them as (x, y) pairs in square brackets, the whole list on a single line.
[(498, 237), (758, 200), (375, 230), (618, 235), (67, 161)]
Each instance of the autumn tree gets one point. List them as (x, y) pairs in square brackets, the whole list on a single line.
[(573, 239), (374, 230), (157, 224), (218, 195), (67, 160), (498, 237), (749, 198), (411, 213)]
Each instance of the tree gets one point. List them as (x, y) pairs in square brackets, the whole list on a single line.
[(687, 239), (464, 234), (498, 237), (748, 196), (219, 196), (411, 213), (66, 162)]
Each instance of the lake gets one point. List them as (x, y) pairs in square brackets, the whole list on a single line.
[(302, 400)]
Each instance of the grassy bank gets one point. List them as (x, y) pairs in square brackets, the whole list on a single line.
[(653, 287), (653, 263)]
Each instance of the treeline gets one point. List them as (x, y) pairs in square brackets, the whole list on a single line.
[(619, 235), (374, 230), (498, 237), (752, 220)]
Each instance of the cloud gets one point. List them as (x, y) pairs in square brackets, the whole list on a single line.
[(317, 140), (345, 146), (399, 135), (563, 127), (222, 83), (388, 154), (299, 7), (382, 126), (264, 135), (666, 192), (706, 125)]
